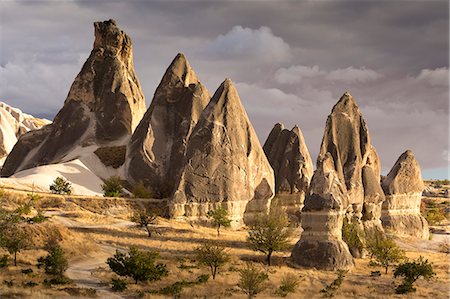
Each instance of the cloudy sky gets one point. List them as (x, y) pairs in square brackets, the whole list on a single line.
[(291, 61)]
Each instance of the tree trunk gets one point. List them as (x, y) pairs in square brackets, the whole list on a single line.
[(15, 258), (214, 273), (269, 256), (386, 268), (218, 230), (149, 231)]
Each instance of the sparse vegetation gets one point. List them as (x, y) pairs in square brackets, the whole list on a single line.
[(289, 284), (252, 281), (270, 233), (385, 251), (14, 239), (140, 191), (411, 272), (119, 284), (112, 187), (137, 264), (176, 288), (61, 186), (219, 218), (145, 218), (353, 236), (212, 255), (434, 216), (55, 263), (4, 261), (330, 290)]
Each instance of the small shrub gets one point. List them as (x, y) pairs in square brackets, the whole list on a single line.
[(137, 264), (434, 216), (55, 262), (252, 281), (176, 288), (119, 285), (212, 255), (289, 284), (30, 284), (145, 218), (385, 251), (4, 261), (27, 271), (140, 191), (411, 271), (112, 187), (59, 280), (9, 283), (61, 186), (352, 236), (14, 239), (270, 233), (38, 218), (330, 290), (219, 218)]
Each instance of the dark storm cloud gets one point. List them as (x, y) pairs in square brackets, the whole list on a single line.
[(291, 60)]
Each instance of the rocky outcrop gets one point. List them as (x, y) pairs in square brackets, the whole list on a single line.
[(403, 187), (292, 165), (104, 105), (13, 124), (157, 147), (224, 164), (321, 245)]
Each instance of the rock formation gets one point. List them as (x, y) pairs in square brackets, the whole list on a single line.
[(321, 245), (104, 105), (158, 145), (403, 187), (13, 124), (292, 165), (224, 164)]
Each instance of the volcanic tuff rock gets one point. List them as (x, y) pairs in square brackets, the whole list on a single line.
[(403, 187), (104, 105), (224, 164), (13, 124), (289, 157), (321, 245), (157, 147)]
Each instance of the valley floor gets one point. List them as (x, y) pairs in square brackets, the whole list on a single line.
[(93, 228)]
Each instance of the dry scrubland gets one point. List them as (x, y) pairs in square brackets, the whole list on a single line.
[(90, 229)]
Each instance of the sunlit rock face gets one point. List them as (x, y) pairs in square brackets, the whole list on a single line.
[(157, 147), (403, 187), (293, 168), (224, 164), (104, 105)]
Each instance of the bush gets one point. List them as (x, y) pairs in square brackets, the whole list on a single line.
[(137, 264), (330, 290), (119, 285), (27, 271), (14, 239), (176, 288), (61, 186), (289, 284), (212, 255), (411, 271), (219, 218), (145, 218), (352, 236), (59, 280), (140, 191), (30, 284), (4, 261), (38, 218), (270, 233), (55, 262), (252, 281), (434, 216), (385, 251), (112, 187)]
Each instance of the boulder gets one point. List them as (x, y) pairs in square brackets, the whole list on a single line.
[(321, 245), (403, 187), (292, 165), (104, 105), (157, 147), (224, 164)]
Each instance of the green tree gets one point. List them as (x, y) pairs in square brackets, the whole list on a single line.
[(219, 218), (14, 239), (137, 264), (61, 186), (112, 187), (385, 251), (412, 271), (252, 281), (270, 233), (212, 255), (434, 216), (145, 218), (55, 263)]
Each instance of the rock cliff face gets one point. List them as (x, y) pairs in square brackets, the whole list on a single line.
[(104, 105), (321, 245), (158, 145), (13, 124), (403, 187), (224, 164), (289, 157)]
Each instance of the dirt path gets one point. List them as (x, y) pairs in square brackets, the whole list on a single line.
[(80, 270)]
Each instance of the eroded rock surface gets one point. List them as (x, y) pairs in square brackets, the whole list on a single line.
[(104, 105), (403, 187), (157, 147), (224, 164), (289, 157)]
